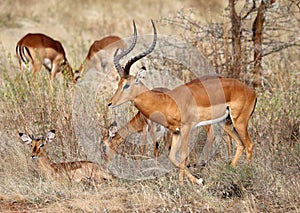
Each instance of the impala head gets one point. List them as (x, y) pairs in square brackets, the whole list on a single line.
[(107, 152), (37, 143), (130, 86), (67, 71)]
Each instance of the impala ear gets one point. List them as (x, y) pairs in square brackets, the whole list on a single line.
[(25, 138), (50, 136), (140, 75)]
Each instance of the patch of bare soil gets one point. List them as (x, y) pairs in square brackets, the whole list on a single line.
[(17, 206)]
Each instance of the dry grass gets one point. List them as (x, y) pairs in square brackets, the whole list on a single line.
[(271, 184)]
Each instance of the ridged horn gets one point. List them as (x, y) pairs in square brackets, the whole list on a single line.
[(143, 54), (117, 58)]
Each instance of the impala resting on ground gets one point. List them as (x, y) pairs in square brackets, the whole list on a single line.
[(77, 170), (104, 49), (187, 106), (36, 50)]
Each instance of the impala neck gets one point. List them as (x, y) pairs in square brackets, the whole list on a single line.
[(45, 164), (67, 71), (135, 125), (141, 88)]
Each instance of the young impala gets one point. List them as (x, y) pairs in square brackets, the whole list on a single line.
[(187, 106), (74, 171), (139, 123), (101, 55), (35, 50)]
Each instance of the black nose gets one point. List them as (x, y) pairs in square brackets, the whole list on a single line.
[(109, 104)]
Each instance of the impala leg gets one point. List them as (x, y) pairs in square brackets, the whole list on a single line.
[(183, 158), (144, 140), (208, 145), (181, 165), (172, 156), (190, 153), (246, 140), (54, 70), (152, 129), (36, 67), (191, 159), (184, 152), (228, 141), (239, 144), (168, 140), (241, 127), (185, 141), (174, 149)]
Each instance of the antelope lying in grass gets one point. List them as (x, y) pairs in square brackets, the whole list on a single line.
[(74, 171)]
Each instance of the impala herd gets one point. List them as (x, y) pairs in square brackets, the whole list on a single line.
[(201, 102)]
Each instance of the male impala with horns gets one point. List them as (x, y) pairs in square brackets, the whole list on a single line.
[(197, 103)]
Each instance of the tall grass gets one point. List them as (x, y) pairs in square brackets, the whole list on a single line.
[(269, 184)]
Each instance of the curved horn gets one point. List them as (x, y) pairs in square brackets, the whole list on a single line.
[(117, 58), (138, 57)]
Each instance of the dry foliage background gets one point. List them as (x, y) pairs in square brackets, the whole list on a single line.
[(271, 184)]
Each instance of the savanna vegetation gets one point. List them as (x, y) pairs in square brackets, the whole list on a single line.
[(33, 105)]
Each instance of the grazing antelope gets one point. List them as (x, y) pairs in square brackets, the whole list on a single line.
[(187, 106), (77, 170), (139, 123), (104, 49), (35, 50)]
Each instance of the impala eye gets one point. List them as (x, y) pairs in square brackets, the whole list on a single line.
[(126, 86)]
